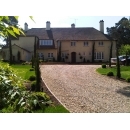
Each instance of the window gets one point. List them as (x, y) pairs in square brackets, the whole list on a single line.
[(50, 55), (85, 43), (73, 43), (84, 53), (98, 56), (63, 55), (46, 42), (100, 43)]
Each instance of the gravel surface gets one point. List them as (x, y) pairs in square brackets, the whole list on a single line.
[(82, 90)]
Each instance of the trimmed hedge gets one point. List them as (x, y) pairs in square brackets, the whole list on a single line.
[(103, 65), (128, 79), (32, 78), (110, 73)]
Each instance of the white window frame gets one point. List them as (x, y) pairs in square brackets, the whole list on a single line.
[(99, 56), (100, 43), (49, 55), (46, 42), (73, 43), (86, 43)]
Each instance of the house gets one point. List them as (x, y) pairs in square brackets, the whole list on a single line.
[(73, 44)]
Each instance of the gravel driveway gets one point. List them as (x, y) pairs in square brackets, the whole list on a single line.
[(82, 90)]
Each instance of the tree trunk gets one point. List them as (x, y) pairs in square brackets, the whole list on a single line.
[(38, 75), (93, 47), (10, 51), (110, 56), (59, 55), (118, 64)]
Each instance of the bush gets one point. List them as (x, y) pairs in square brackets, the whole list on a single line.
[(103, 65), (32, 78), (110, 74), (13, 96), (128, 79), (32, 69), (33, 86)]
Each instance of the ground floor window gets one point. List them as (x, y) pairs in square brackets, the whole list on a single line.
[(50, 55), (98, 56)]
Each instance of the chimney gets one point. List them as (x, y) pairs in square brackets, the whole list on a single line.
[(48, 25), (73, 25), (101, 26), (25, 27)]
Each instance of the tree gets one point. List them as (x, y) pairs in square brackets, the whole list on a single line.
[(121, 33), (38, 74), (110, 55), (125, 50), (59, 54), (93, 47)]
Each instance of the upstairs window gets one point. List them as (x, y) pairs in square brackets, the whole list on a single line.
[(100, 43), (85, 43), (73, 43), (46, 42)]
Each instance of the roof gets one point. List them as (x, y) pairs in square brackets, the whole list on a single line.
[(21, 48), (89, 33)]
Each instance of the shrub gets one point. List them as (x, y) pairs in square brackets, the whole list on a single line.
[(32, 69), (23, 63), (13, 96), (103, 65), (32, 78), (40, 61), (110, 73), (33, 86), (128, 79)]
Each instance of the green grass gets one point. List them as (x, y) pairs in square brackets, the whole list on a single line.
[(23, 71), (54, 109), (125, 71)]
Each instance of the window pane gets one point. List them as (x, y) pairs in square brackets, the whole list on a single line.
[(51, 54), (48, 54)]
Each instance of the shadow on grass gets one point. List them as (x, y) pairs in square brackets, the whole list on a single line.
[(124, 91)]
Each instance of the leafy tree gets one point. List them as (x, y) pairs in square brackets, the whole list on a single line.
[(121, 33)]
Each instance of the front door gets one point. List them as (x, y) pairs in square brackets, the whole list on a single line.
[(73, 57)]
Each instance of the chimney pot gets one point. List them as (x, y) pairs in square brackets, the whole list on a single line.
[(48, 25), (73, 25), (101, 26), (25, 27)]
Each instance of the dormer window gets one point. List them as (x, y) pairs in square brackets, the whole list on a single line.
[(46, 42), (85, 43), (100, 43)]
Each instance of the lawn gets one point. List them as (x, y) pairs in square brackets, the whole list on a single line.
[(125, 71), (24, 72)]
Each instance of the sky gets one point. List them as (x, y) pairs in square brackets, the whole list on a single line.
[(66, 21)]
